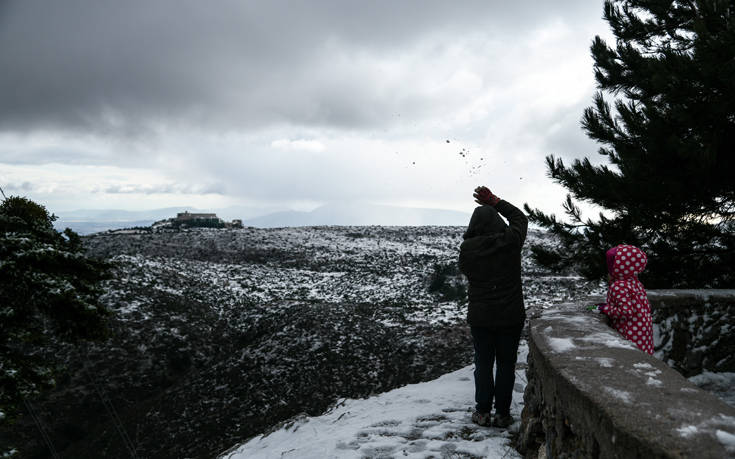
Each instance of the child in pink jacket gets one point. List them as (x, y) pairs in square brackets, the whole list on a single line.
[(627, 304)]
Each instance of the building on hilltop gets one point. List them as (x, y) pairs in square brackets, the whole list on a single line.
[(189, 216), (187, 219)]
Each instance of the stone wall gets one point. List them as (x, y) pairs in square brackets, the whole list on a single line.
[(590, 393), (693, 329)]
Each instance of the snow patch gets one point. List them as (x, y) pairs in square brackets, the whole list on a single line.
[(576, 320), (560, 345), (687, 431), (609, 340), (643, 366), (621, 395), (605, 362), (727, 440)]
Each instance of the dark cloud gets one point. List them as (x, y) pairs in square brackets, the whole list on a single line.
[(117, 67)]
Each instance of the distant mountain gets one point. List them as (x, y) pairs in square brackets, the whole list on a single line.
[(360, 215), (87, 221), (85, 227), (119, 215)]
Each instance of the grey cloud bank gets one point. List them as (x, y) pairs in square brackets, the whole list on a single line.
[(115, 67), (149, 104)]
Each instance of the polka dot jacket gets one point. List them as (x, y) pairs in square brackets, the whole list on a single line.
[(627, 304)]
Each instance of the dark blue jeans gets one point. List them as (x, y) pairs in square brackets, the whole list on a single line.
[(490, 346)]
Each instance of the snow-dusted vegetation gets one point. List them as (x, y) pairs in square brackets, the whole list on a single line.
[(218, 334)]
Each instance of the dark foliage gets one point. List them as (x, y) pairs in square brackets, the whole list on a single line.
[(448, 283), (49, 291), (669, 139)]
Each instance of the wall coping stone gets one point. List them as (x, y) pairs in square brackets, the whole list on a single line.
[(633, 404), (660, 298)]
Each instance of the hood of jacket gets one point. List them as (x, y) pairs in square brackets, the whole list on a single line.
[(629, 262), (485, 221), (480, 247), (485, 234)]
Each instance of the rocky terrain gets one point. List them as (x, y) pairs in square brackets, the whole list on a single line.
[(219, 334)]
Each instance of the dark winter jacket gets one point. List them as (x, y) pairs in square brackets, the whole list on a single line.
[(490, 257)]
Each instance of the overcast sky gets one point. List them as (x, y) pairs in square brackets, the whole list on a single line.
[(146, 104)]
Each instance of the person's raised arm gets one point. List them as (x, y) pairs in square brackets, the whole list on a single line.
[(517, 221)]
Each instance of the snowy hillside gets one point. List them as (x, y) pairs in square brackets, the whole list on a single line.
[(218, 335), (414, 421)]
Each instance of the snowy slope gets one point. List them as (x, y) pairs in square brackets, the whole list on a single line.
[(414, 421)]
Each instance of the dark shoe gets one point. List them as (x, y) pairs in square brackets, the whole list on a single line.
[(502, 421), (481, 419)]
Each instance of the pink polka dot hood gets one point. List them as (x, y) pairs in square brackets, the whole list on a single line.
[(625, 261), (627, 303)]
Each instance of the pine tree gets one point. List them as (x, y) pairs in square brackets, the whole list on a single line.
[(49, 292), (669, 139)]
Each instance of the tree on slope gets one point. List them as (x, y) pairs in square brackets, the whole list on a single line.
[(669, 139), (49, 292)]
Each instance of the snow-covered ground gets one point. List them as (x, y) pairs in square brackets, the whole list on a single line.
[(720, 384), (430, 419), (698, 326)]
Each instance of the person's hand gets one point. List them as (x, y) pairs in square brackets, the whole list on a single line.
[(484, 196)]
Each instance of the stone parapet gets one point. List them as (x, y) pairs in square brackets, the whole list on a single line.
[(591, 393)]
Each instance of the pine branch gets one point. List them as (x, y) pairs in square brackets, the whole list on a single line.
[(572, 210)]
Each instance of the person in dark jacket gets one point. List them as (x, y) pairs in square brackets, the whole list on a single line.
[(490, 257)]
